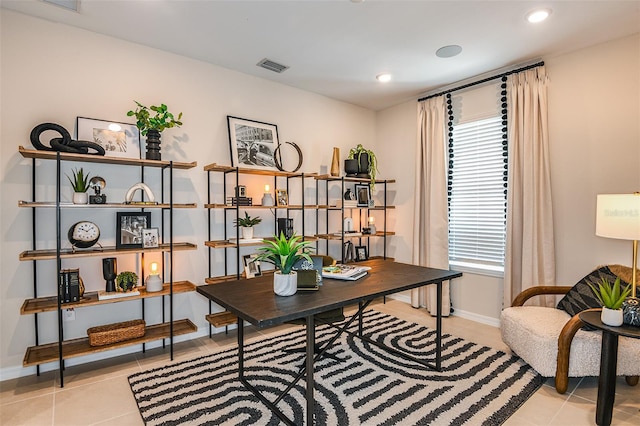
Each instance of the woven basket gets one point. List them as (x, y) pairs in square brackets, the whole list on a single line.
[(113, 333)]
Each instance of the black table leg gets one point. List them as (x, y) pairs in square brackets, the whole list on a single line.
[(241, 348), (607, 379), (439, 327), (311, 342)]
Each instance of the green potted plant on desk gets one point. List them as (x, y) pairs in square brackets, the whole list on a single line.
[(283, 253), (151, 126), (80, 185), (247, 223), (611, 298), (362, 162)]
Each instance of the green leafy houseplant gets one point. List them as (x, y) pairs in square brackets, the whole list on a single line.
[(283, 253), (162, 119), (373, 161), (127, 280), (247, 221), (80, 182), (611, 296)]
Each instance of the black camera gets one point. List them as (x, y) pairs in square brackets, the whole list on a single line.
[(98, 199)]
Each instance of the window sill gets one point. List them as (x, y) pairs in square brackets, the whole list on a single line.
[(471, 268)]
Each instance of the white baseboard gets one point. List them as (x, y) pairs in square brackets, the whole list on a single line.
[(493, 322)]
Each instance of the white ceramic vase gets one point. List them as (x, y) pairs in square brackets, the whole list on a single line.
[(285, 284), (80, 198), (612, 317), (247, 232)]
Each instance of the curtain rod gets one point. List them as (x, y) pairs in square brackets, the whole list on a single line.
[(484, 80)]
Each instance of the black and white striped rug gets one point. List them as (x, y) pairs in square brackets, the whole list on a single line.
[(369, 386)]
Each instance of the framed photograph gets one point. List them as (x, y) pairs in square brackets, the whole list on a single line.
[(129, 227), (282, 198), (150, 238), (241, 191), (253, 143), (361, 253), (117, 139), (363, 195), (251, 268)]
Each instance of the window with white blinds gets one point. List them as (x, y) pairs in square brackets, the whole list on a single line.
[(477, 194)]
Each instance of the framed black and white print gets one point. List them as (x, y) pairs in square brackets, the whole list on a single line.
[(282, 198), (363, 195), (251, 266), (129, 227), (361, 253), (118, 139), (252, 143), (150, 238)]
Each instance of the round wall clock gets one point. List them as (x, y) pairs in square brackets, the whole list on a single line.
[(83, 234)]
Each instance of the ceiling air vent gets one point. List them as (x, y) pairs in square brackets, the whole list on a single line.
[(272, 66), (67, 4)]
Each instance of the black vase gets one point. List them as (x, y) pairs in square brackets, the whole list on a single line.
[(351, 167), (153, 145), (109, 273), (363, 165)]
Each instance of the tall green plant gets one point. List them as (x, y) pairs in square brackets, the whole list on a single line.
[(611, 296), (80, 182), (162, 119), (283, 253)]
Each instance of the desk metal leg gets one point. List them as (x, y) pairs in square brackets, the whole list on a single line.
[(607, 379), (241, 348), (311, 342), (439, 327)]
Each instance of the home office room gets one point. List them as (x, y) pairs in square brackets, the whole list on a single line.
[(158, 158)]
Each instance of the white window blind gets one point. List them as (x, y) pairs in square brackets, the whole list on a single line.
[(477, 195)]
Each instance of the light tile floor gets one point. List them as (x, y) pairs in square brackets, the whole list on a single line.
[(99, 394)]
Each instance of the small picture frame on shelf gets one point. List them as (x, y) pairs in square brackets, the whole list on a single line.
[(282, 198), (118, 139), (363, 195), (129, 227), (251, 267), (361, 253), (150, 238)]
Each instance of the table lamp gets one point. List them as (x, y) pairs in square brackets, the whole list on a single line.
[(618, 216), (372, 225), (154, 282), (267, 199)]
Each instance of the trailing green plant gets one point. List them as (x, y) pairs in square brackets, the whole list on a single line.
[(609, 296), (127, 280), (283, 253), (373, 161), (80, 182), (247, 221), (162, 119)]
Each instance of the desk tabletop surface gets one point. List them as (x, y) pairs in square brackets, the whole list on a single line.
[(593, 318), (253, 299)]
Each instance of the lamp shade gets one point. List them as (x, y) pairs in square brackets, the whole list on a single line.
[(618, 216)]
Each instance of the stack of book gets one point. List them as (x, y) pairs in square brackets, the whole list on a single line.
[(239, 201), (69, 283), (345, 272)]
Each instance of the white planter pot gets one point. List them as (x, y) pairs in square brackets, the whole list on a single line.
[(285, 285), (80, 198), (612, 317), (247, 232)]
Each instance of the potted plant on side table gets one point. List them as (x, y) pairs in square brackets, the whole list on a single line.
[(611, 298), (152, 126), (283, 253), (247, 223), (80, 185)]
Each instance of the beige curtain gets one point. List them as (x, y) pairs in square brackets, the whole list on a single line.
[(431, 222), (530, 250)]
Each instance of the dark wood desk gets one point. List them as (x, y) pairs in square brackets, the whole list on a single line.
[(608, 362), (254, 301)]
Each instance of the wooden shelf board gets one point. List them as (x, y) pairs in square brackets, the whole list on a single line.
[(352, 179), (337, 237), (221, 319), (42, 354), (290, 207), (356, 207), (22, 203), (68, 253), (48, 304), (213, 167), (232, 244), (87, 158)]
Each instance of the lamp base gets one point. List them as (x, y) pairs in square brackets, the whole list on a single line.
[(154, 283), (631, 311), (267, 199)]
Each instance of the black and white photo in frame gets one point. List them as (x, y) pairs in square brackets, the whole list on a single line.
[(253, 143), (251, 266), (118, 139), (129, 226), (150, 238)]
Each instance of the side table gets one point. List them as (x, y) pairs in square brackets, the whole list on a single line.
[(608, 362)]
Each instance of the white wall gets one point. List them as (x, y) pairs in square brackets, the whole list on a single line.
[(54, 73), (594, 99)]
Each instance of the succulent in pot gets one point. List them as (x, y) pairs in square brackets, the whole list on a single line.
[(126, 281), (611, 297), (80, 185), (247, 223)]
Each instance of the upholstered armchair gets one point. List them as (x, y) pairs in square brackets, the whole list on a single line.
[(553, 340)]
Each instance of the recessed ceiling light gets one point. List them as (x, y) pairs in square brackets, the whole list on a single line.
[(448, 51), (538, 15), (383, 78)]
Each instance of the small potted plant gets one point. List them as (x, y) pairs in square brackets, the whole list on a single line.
[(283, 253), (152, 126), (611, 298), (126, 281), (247, 223), (365, 161), (80, 185)]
